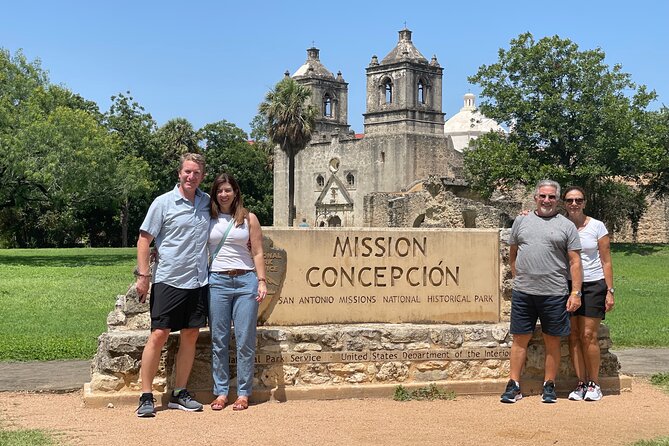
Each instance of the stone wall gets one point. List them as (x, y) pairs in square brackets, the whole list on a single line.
[(379, 163), (653, 227), (437, 203)]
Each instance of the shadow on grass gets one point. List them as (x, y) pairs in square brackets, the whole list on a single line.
[(67, 260), (642, 249)]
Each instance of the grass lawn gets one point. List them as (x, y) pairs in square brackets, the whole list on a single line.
[(25, 438), (641, 278), (56, 301)]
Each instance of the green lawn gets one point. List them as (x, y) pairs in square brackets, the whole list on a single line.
[(25, 438), (56, 301), (641, 278)]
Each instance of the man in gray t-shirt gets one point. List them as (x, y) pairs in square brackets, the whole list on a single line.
[(544, 250)]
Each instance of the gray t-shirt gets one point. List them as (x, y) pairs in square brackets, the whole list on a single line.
[(542, 263)]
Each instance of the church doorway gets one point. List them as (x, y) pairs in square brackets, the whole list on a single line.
[(334, 222)]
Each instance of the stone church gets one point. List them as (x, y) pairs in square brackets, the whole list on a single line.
[(403, 141)]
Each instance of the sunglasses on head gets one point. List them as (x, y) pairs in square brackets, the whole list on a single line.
[(574, 200), (544, 196)]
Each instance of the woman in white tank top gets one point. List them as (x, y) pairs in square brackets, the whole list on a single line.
[(236, 286)]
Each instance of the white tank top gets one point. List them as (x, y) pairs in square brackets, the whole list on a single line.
[(234, 254)]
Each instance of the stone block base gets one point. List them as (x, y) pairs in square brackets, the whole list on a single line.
[(345, 361)]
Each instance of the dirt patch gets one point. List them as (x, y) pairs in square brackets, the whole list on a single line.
[(482, 420)]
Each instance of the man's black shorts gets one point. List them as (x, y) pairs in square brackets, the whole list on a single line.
[(177, 308), (550, 310), (593, 302)]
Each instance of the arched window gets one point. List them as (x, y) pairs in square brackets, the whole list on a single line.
[(320, 181), (421, 92), (350, 179), (388, 88), (327, 106)]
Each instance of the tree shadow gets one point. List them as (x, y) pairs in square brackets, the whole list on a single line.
[(68, 260), (642, 249)]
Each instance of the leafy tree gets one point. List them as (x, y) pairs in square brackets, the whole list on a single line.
[(171, 141), (63, 172), (261, 139), (290, 122), (571, 117), (658, 162), (228, 150), (134, 129)]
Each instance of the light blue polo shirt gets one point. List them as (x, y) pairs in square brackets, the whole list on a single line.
[(181, 229)]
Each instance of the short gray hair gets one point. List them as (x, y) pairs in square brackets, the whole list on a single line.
[(549, 183)]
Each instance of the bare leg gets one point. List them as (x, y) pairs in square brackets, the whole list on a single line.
[(590, 347), (552, 345), (185, 355), (151, 357), (575, 348), (519, 354)]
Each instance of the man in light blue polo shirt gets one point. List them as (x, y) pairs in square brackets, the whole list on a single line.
[(178, 221)]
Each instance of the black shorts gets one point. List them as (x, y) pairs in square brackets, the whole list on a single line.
[(177, 308), (550, 310), (593, 301)]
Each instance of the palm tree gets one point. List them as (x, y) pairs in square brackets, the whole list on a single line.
[(290, 121)]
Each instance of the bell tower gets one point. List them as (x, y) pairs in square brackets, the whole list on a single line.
[(404, 91), (329, 94)]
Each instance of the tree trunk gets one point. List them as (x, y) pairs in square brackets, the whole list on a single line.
[(125, 209), (291, 187)]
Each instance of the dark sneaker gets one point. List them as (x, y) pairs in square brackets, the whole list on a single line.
[(594, 392), (579, 392), (146, 408), (512, 393), (548, 395), (184, 401)]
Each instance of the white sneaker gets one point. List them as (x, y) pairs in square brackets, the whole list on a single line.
[(579, 392), (594, 392)]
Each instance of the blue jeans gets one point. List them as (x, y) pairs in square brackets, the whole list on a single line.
[(232, 299)]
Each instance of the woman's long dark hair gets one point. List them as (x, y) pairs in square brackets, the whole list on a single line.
[(237, 210)]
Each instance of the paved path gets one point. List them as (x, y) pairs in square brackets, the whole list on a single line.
[(47, 376), (67, 376)]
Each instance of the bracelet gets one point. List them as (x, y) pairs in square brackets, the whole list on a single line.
[(138, 274), (262, 279)]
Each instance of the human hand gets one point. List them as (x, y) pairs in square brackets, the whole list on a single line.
[(573, 303), (608, 305), (142, 288), (262, 291)]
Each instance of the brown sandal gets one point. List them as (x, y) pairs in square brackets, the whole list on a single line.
[(242, 403), (219, 403)]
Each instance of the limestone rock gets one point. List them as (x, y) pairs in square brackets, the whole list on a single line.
[(393, 371), (307, 347)]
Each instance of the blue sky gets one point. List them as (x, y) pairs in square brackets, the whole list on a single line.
[(211, 60)]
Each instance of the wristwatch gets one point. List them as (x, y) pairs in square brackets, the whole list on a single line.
[(578, 293), (611, 290)]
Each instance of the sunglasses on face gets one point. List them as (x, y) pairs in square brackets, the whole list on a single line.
[(545, 196), (574, 200)]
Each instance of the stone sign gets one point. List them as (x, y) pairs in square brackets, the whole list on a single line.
[(381, 275)]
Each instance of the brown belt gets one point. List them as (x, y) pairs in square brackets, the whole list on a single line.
[(234, 272)]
